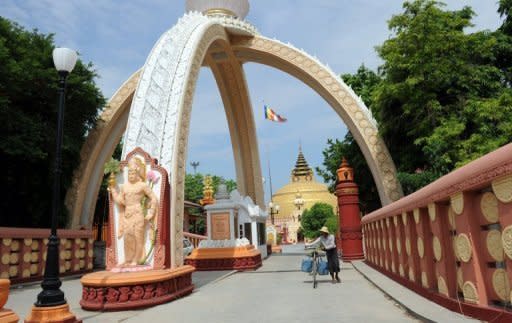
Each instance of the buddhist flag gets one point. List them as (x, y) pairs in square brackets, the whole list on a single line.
[(272, 116)]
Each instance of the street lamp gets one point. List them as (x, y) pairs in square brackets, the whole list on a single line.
[(64, 60), (273, 209)]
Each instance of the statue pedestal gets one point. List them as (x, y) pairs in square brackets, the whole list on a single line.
[(8, 316), (107, 291), (234, 258), (51, 314)]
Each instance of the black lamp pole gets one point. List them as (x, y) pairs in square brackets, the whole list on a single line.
[(51, 294)]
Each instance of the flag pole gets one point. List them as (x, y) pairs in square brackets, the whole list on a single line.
[(270, 184)]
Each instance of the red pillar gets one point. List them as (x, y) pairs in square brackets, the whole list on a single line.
[(348, 211)]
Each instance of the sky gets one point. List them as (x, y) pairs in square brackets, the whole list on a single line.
[(117, 36)]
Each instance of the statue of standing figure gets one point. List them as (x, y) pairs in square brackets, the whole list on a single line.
[(137, 204)]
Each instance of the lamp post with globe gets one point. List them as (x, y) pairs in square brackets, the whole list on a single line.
[(50, 301)]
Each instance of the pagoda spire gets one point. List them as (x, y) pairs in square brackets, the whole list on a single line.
[(302, 169)]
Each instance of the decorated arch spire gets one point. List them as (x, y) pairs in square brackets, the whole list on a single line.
[(232, 8)]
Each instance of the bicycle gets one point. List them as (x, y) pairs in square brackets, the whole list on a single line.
[(316, 255)]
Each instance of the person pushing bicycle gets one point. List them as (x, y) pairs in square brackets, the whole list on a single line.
[(328, 242)]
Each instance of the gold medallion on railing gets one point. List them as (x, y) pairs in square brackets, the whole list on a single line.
[(416, 214), (421, 247), (457, 203), (500, 284), (441, 286), (424, 280), (470, 293), (436, 245), (489, 207), (408, 246), (404, 218), (502, 187), (506, 240), (432, 211), (493, 243), (463, 247), (411, 274)]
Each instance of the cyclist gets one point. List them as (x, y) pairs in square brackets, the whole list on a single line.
[(328, 242)]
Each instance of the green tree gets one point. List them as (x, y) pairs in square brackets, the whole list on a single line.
[(316, 217), (441, 98), (437, 79), (28, 111)]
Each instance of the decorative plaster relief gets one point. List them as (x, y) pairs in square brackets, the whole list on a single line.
[(361, 119), (489, 207), (457, 203), (494, 246)]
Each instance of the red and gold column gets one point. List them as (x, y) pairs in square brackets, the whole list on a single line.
[(348, 211)]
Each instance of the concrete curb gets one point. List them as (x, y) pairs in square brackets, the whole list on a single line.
[(402, 305), (413, 311)]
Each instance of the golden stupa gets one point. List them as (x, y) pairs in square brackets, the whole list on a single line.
[(301, 193)]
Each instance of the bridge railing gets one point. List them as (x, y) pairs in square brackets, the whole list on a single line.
[(451, 241), (23, 253), (194, 238)]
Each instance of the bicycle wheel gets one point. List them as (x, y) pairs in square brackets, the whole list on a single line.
[(314, 272)]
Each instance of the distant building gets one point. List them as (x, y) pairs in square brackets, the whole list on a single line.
[(301, 193)]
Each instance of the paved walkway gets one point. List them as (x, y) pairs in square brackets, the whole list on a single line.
[(276, 292)]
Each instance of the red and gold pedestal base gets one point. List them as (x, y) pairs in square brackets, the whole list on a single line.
[(107, 291), (237, 258), (51, 314), (8, 316)]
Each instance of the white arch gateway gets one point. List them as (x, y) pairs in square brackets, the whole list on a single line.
[(154, 107)]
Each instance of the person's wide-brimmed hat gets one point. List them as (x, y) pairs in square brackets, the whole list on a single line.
[(324, 230)]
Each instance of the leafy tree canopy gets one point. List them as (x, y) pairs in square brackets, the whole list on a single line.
[(441, 96), (316, 217), (28, 111)]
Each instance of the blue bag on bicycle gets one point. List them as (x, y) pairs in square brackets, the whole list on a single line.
[(323, 269), (307, 265)]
